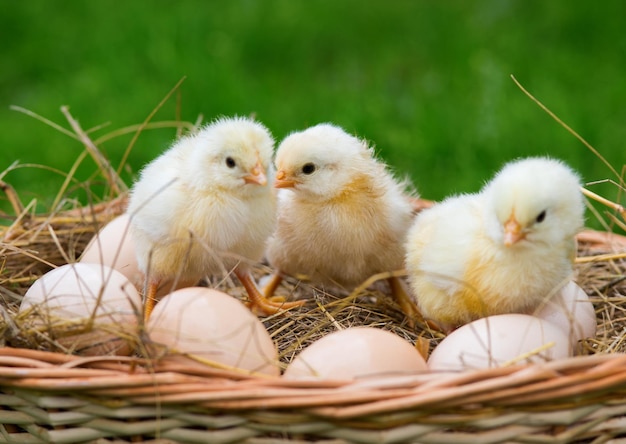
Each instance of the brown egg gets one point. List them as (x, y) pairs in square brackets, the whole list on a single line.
[(571, 311), (66, 298), (356, 352), (213, 326), (113, 246), (500, 340)]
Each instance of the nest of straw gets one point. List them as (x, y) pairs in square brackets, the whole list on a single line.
[(33, 245)]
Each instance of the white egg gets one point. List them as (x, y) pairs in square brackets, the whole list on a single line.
[(213, 326), (73, 294), (571, 311), (356, 352), (500, 340), (113, 246)]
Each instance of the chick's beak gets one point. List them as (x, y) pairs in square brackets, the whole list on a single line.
[(512, 231), (283, 181), (257, 175)]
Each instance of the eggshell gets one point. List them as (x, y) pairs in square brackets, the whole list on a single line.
[(113, 246), (356, 352), (497, 340), (69, 295), (571, 311), (214, 326)]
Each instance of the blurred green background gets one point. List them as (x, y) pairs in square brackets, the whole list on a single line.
[(428, 82)]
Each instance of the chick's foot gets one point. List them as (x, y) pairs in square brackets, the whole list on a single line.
[(259, 302)]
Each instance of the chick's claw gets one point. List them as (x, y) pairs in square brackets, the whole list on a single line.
[(275, 304), (259, 302)]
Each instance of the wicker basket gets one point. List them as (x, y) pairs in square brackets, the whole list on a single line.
[(53, 397), (50, 397)]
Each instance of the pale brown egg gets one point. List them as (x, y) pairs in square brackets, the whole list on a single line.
[(113, 246), (571, 311), (500, 340), (68, 297), (356, 352), (213, 326)]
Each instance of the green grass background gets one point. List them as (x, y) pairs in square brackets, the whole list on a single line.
[(428, 82)]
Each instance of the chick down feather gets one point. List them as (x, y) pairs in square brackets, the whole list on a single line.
[(205, 204), (342, 215), (502, 250)]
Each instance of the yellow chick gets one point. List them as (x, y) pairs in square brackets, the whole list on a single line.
[(503, 250), (204, 206), (342, 217)]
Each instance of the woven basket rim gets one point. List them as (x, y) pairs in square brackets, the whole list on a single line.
[(173, 381)]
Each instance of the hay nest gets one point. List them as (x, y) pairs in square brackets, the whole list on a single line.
[(34, 244)]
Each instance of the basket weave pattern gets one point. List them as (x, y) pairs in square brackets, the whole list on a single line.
[(59, 398)]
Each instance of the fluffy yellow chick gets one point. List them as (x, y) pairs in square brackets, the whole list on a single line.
[(342, 217), (503, 250), (204, 206)]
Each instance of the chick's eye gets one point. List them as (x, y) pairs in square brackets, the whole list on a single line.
[(230, 162), (308, 168), (540, 217)]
